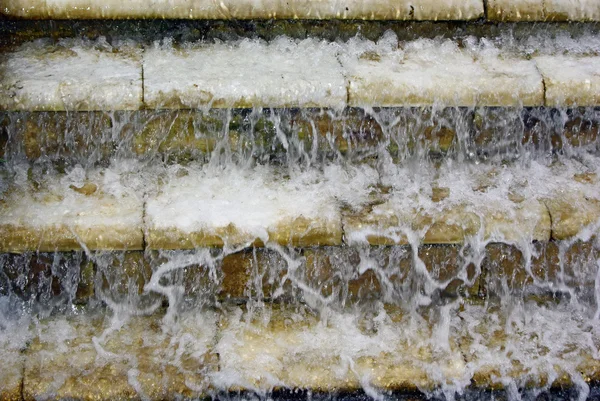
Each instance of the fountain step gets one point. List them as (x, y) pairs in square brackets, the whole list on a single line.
[(129, 206), (207, 353), (543, 10), (497, 10), (84, 75), (236, 9), (91, 138)]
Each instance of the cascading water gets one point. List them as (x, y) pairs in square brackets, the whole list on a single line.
[(394, 311)]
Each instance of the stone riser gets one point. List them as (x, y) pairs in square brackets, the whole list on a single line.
[(497, 10), (146, 32), (552, 271), (41, 76), (95, 137)]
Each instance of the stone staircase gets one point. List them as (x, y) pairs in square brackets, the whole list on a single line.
[(301, 199)]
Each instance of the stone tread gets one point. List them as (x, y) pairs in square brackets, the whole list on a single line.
[(543, 10), (95, 357), (434, 10), (83, 75), (246, 9), (190, 206), (70, 213)]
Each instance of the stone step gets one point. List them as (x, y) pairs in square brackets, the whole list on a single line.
[(94, 138), (451, 350), (497, 10), (78, 75), (131, 205), (205, 9)]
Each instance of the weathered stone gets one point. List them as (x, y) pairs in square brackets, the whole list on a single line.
[(351, 131), (570, 80), (48, 215), (425, 72), (287, 348), (571, 213), (71, 76), (515, 10), (43, 277), (236, 9), (387, 224), (349, 276), (574, 10), (249, 74), (67, 135), (82, 358)]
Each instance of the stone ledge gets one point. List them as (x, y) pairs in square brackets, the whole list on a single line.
[(55, 213), (203, 208), (74, 75), (509, 205), (543, 10), (297, 351), (247, 74), (504, 350), (570, 81), (83, 357), (425, 72), (245, 9)]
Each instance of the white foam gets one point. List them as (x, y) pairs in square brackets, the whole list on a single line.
[(249, 73), (425, 72), (72, 75), (254, 201)]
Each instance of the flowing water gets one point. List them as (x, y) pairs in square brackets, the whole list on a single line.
[(345, 303)]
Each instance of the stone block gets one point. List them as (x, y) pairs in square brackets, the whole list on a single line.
[(248, 74), (425, 72), (515, 10), (215, 214), (287, 348), (83, 357), (73, 75), (49, 280), (570, 80), (57, 213)]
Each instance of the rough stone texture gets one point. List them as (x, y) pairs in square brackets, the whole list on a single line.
[(84, 358), (541, 271), (74, 75), (287, 348), (387, 224), (425, 72), (56, 213), (572, 10), (515, 10), (246, 9), (543, 10), (247, 74), (570, 80), (573, 212)]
